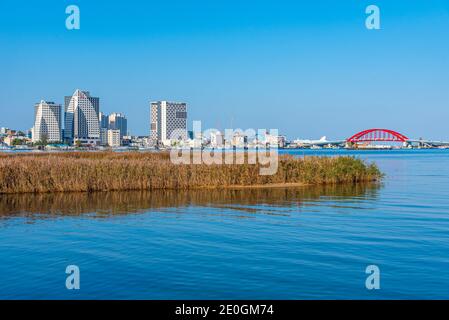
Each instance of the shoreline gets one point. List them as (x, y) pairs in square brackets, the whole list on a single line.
[(285, 185)]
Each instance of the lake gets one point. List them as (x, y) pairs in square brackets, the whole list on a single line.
[(282, 243)]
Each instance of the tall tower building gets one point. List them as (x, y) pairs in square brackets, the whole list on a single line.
[(104, 120), (104, 127), (168, 120), (47, 122), (118, 121), (82, 118)]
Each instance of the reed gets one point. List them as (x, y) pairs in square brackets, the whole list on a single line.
[(109, 171)]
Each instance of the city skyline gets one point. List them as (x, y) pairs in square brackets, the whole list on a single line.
[(117, 121), (307, 69), (83, 122)]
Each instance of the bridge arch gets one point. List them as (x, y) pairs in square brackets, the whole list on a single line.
[(372, 135)]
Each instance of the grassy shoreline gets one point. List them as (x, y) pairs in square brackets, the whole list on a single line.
[(108, 171)]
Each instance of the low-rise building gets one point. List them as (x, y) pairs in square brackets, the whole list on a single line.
[(239, 140), (216, 139), (11, 132), (273, 140), (12, 140), (114, 139)]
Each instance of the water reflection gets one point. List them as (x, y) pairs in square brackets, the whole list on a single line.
[(248, 200)]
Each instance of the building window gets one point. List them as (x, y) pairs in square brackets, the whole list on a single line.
[(181, 114)]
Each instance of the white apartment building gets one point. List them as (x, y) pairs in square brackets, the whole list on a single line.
[(168, 122), (82, 118), (47, 122), (114, 139)]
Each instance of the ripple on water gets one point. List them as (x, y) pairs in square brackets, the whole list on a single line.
[(281, 243)]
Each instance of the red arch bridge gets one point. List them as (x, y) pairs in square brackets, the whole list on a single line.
[(377, 135)]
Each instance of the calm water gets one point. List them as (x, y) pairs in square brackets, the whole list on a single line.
[(243, 244)]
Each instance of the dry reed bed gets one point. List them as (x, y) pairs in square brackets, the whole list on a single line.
[(107, 171)]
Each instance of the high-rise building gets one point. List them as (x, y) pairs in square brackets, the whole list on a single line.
[(104, 136), (118, 121), (168, 121), (104, 120), (82, 118), (47, 122)]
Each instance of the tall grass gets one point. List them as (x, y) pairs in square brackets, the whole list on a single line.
[(108, 171)]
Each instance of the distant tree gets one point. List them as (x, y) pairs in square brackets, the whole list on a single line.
[(16, 142), (44, 139), (78, 143)]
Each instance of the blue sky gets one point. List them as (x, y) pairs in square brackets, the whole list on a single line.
[(307, 68)]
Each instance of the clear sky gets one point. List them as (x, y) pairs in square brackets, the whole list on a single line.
[(307, 68)]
